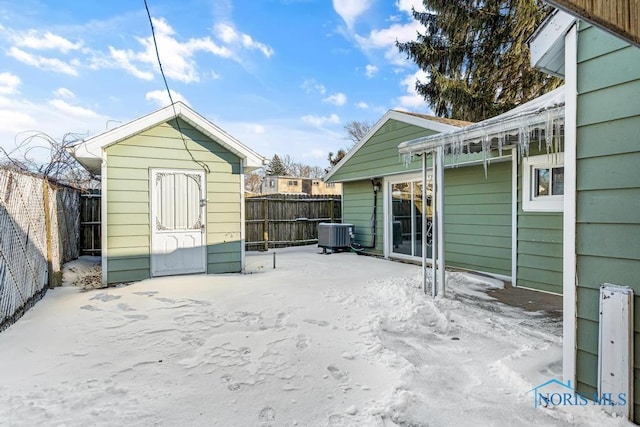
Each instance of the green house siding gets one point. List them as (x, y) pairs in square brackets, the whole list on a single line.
[(357, 209), (128, 201), (477, 218), (539, 262), (608, 189), (379, 156)]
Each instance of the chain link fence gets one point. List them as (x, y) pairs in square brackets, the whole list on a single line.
[(39, 231)]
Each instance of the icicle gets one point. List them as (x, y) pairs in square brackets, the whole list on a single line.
[(407, 158), (486, 147), (548, 132)]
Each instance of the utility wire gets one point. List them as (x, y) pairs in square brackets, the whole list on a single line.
[(166, 85)]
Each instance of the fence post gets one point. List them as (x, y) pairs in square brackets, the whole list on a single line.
[(331, 207), (54, 279), (265, 234)]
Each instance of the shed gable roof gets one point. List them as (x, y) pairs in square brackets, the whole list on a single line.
[(437, 124), (90, 152)]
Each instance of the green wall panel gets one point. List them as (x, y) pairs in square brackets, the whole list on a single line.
[(477, 217), (608, 187), (539, 254), (357, 209)]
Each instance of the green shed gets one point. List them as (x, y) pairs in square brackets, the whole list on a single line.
[(172, 195)]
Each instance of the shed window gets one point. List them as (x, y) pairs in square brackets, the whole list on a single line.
[(543, 183), (292, 183)]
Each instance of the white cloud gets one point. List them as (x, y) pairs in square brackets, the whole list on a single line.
[(123, 59), (311, 85), (73, 110), (44, 63), (37, 41), (370, 70), (176, 57), (9, 83), (349, 10), (338, 99), (320, 121), (362, 105), (256, 128), (385, 39), (14, 122), (161, 97), (406, 5), (63, 92), (412, 99), (54, 118), (229, 35)]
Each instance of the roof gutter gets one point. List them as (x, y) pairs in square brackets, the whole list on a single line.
[(478, 132)]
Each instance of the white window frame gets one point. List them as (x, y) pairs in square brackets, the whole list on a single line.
[(531, 203)]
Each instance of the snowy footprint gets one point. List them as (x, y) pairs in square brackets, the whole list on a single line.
[(337, 374), (266, 415), (230, 383)]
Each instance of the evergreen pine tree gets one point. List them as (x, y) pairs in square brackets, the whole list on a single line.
[(476, 57), (276, 167)]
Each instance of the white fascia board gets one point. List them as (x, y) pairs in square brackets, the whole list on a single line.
[(546, 46), (93, 148), (391, 115)]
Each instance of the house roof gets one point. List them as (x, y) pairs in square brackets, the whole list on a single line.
[(446, 121), (619, 17), (438, 124), (535, 114), (90, 152)]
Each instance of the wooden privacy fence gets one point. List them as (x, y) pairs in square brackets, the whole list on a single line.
[(277, 221), (39, 226), (90, 223)]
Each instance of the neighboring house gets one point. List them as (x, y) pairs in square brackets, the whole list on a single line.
[(278, 184), (511, 222), (602, 158), (172, 195)]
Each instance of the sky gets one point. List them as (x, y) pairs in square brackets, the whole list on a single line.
[(282, 76)]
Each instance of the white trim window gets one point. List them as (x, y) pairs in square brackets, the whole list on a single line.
[(543, 183)]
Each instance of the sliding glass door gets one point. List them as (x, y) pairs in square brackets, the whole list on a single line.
[(406, 209)]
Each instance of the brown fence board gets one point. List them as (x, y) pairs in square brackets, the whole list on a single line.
[(288, 220)]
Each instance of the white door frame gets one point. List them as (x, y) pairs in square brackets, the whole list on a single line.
[(154, 208), (388, 212)]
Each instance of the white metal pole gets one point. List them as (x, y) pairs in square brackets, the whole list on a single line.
[(424, 222), (440, 204), (434, 215)]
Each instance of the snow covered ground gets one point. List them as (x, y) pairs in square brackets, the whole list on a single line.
[(322, 340)]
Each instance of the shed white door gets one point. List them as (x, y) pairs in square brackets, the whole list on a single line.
[(178, 244)]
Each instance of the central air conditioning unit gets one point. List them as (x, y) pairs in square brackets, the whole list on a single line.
[(334, 236)]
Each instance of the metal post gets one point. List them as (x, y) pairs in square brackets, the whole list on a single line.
[(424, 222), (274, 260), (435, 207), (440, 195)]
